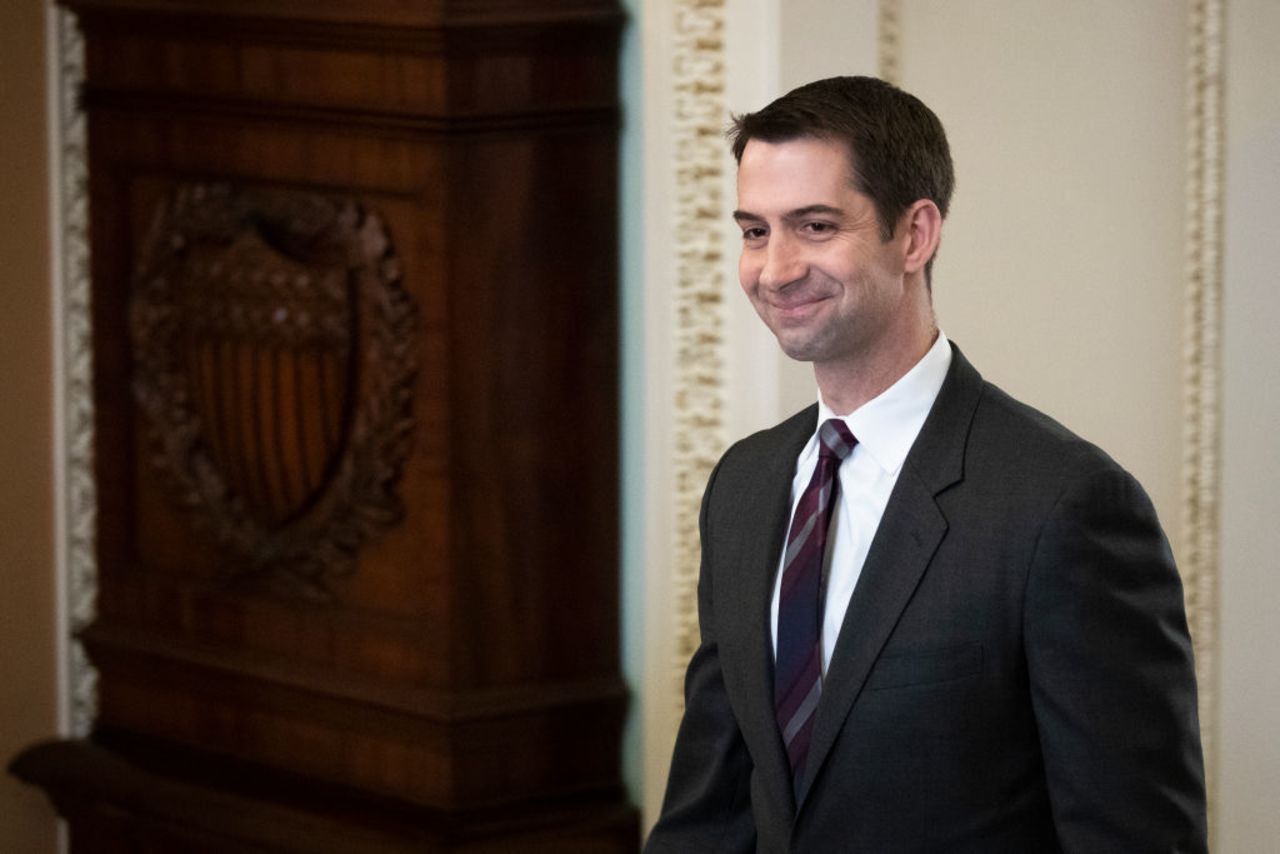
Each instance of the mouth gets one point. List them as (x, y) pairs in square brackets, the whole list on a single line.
[(797, 310)]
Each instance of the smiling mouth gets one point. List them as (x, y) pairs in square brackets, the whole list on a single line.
[(798, 310)]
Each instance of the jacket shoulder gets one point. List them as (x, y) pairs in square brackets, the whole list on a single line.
[(1009, 434), (978, 434)]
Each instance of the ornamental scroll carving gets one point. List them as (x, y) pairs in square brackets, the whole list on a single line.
[(274, 367)]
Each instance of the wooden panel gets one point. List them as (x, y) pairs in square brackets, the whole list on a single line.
[(180, 804), (457, 649)]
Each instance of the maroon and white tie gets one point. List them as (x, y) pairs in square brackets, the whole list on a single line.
[(797, 673)]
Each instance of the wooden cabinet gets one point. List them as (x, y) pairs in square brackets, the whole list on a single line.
[(355, 380)]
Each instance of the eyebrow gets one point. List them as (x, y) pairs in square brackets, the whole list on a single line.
[(798, 213)]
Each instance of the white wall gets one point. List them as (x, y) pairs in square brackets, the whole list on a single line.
[(1061, 266), (1249, 633)]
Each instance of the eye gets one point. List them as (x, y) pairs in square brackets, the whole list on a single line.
[(754, 234), (818, 228)]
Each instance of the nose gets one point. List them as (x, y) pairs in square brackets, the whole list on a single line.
[(783, 263)]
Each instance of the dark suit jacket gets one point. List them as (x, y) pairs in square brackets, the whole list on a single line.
[(1014, 672)]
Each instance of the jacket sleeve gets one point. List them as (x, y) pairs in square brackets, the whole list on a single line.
[(707, 806), (1112, 676)]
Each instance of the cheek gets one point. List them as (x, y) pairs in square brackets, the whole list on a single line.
[(748, 273)]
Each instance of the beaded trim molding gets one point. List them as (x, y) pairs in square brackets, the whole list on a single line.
[(888, 44), (76, 491), (1202, 370), (697, 120)]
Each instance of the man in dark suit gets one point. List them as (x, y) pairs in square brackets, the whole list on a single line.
[(932, 618)]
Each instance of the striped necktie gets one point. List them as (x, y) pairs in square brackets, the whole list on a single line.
[(797, 674)]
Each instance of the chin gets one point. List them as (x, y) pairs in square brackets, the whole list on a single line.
[(801, 351)]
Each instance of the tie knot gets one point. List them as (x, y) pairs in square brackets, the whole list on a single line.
[(834, 439)]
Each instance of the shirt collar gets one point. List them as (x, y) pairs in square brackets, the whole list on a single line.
[(887, 425)]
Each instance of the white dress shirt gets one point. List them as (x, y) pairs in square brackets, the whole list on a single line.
[(886, 427)]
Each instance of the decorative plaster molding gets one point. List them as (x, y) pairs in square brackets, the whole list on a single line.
[(697, 125), (78, 498), (888, 41), (1202, 370)]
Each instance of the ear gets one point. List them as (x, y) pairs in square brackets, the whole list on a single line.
[(921, 227)]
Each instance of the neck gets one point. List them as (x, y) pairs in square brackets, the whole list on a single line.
[(849, 383)]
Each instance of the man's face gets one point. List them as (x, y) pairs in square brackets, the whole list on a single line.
[(813, 262)]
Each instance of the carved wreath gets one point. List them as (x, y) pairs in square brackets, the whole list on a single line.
[(274, 366)]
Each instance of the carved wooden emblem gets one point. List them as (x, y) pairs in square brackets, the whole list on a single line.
[(274, 364)]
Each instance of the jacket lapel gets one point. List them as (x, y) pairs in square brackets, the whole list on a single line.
[(909, 533)]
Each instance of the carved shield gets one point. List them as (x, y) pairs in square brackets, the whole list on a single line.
[(274, 366)]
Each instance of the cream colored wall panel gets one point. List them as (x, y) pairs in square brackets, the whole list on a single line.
[(1061, 271), (821, 38), (1249, 676)]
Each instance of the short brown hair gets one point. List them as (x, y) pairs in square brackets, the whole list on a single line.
[(897, 148)]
